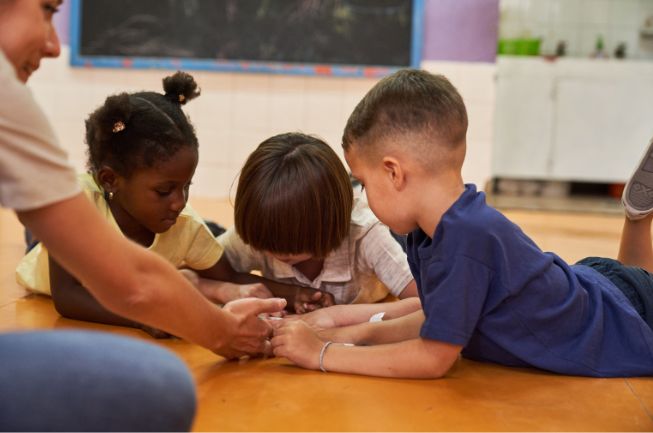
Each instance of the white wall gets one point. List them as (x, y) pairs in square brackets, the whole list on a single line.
[(477, 85), (237, 111), (579, 23), (573, 119)]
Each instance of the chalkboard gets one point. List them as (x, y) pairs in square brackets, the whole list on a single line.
[(323, 37)]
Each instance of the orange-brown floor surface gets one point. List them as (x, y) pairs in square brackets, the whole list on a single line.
[(273, 395)]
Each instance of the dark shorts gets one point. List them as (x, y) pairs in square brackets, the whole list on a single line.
[(634, 282)]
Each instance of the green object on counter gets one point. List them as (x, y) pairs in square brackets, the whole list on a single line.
[(519, 47)]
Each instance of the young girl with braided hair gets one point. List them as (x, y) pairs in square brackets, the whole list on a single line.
[(142, 154)]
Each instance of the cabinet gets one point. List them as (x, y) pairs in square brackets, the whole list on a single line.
[(571, 119)]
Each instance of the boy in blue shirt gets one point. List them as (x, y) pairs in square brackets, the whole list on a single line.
[(487, 290)]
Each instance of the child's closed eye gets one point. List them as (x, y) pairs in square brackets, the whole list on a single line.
[(164, 193)]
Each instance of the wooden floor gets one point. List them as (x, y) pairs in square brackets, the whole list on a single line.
[(272, 395)]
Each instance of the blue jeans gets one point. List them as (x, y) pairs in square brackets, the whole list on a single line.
[(634, 282), (91, 381)]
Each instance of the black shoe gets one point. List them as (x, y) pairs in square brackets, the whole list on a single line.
[(215, 228)]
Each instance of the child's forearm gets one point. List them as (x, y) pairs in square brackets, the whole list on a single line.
[(389, 331), (401, 308), (416, 358), (345, 315), (299, 299), (223, 271), (215, 291), (73, 301), (351, 314), (280, 290)]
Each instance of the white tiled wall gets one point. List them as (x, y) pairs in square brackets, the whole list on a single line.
[(237, 111), (477, 85), (579, 23)]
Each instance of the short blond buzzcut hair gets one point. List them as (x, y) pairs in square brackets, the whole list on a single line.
[(294, 196), (410, 101)]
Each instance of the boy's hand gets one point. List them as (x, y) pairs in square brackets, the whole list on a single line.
[(308, 299), (295, 340)]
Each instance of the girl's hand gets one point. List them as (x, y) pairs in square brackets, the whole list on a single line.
[(295, 340), (307, 300)]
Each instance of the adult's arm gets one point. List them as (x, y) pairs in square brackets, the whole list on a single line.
[(139, 285)]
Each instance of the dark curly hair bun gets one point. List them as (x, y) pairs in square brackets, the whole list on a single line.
[(116, 109), (180, 87)]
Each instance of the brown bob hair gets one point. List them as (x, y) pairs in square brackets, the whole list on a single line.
[(294, 197)]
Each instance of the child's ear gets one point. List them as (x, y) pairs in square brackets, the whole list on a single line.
[(395, 172), (107, 178)]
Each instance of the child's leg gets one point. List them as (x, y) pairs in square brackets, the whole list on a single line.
[(636, 248), (638, 193)]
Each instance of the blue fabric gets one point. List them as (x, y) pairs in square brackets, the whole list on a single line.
[(634, 282), (401, 239), (486, 286), (91, 381)]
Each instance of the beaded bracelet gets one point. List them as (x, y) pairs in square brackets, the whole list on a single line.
[(322, 352)]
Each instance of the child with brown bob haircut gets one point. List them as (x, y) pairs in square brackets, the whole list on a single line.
[(487, 290), (297, 222)]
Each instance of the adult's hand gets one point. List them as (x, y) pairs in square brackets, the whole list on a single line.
[(248, 333)]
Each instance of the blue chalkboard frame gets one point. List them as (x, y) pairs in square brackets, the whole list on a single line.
[(79, 60)]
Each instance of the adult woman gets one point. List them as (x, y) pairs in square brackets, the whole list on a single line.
[(37, 182)]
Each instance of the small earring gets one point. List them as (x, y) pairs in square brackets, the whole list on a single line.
[(108, 195)]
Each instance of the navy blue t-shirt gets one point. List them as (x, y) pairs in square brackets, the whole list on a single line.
[(486, 286)]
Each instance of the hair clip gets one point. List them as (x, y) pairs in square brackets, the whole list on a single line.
[(182, 98), (118, 126)]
